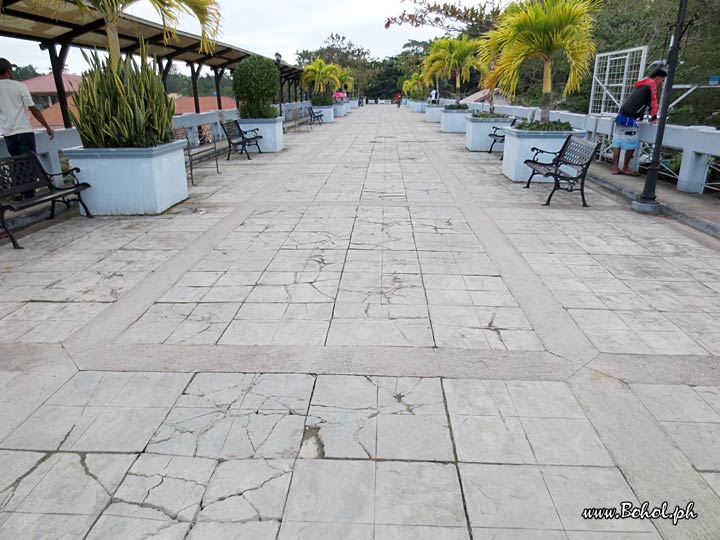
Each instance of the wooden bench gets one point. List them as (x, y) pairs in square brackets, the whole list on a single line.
[(569, 166), (239, 139), (315, 117), (24, 183), (207, 149), (498, 135)]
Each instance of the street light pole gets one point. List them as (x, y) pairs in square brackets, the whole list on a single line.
[(646, 202), (278, 59)]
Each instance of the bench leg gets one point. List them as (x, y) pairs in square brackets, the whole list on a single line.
[(492, 145), (244, 149), (88, 214), (52, 209), (555, 188), (192, 173), (230, 149), (258, 147), (582, 192), (217, 165), (530, 179), (4, 225)]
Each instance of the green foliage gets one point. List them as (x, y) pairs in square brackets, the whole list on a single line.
[(554, 125), (457, 107), (180, 83), (489, 115), (23, 73), (321, 77), (320, 100), (256, 82), (126, 108), (453, 58), (451, 17), (417, 94)]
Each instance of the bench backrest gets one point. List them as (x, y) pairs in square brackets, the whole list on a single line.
[(22, 173), (232, 129), (577, 153)]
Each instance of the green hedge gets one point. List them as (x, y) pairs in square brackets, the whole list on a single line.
[(555, 125), (489, 115), (321, 101), (256, 83), (457, 107)]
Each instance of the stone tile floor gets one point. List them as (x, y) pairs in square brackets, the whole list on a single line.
[(231, 455), (369, 336)]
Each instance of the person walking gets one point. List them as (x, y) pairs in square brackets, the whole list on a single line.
[(642, 99), (433, 96), (398, 99), (15, 102)]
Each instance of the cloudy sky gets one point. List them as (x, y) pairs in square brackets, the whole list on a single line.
[(283, 26)]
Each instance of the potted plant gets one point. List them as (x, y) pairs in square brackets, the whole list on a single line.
[(415, 88), (124, 119), (541, 30), (478, 128), (256, 84), (347, 83), (453, 58), (321, 79)]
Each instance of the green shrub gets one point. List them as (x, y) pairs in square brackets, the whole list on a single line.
[(489, 115), (418, 94), (457, 107), (555, 125), (256, 83), (128, 108), (320, 100)]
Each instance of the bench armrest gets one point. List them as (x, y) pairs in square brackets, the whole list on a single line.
[(496, 130), (70, 173), (256, 130), (538, 151)]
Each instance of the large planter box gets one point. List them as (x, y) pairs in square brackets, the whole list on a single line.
[(517, 149), (271, 129), (417, 106), (132, 181), (432, 113), (478, 130), (328, 113), (353, 103), (453, 120), (339, 110)]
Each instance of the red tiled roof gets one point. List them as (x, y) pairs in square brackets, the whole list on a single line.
[(44, 85), (183, 105)]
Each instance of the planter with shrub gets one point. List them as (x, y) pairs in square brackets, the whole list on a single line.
[(433, 112), (452, 118), (339, 109), (520, 139), (256, 84), (324, 104), (478, 128), (124, 119)]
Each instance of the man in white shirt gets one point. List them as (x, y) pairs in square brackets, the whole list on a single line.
[(433, 96), (15, 102)]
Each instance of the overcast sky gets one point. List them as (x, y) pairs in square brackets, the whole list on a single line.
[(283, 26)]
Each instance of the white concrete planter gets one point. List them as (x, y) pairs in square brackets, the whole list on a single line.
[(271, 129), (132, 181), (416, 106), (339, 110), (353, 103), (477, 131), (432, 113), (328, 113), (453, 120), (517, 149)]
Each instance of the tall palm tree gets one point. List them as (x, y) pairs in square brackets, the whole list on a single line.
[(532, 29), (452, 57), (414, 85), (207, 13), (321, 76)]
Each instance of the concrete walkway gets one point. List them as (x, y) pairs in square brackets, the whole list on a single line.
[(370, 336)]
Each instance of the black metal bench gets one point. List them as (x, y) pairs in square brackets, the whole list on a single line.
[(569, 166), (239, 139), (315, 116), (207, 149), (498, 135), (297, 118), (24, 183)]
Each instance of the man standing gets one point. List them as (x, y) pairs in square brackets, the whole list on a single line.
[(433, 96), (625, 128)]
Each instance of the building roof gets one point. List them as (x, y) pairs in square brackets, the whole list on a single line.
[(183, 105), (44, 85)]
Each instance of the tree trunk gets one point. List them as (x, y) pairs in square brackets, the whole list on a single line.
[(457, 89), (111, 28), (547, 92), (491, 100)]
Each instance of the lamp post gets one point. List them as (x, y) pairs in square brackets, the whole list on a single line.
[(278, 59), (646, 203)]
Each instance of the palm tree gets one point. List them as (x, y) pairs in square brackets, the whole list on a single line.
[(414, 85), (347, 81), (207, 12), (532, 29), (452, 57), (321, 76)]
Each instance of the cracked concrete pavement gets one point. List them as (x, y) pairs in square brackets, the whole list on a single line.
[(370, 336)]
